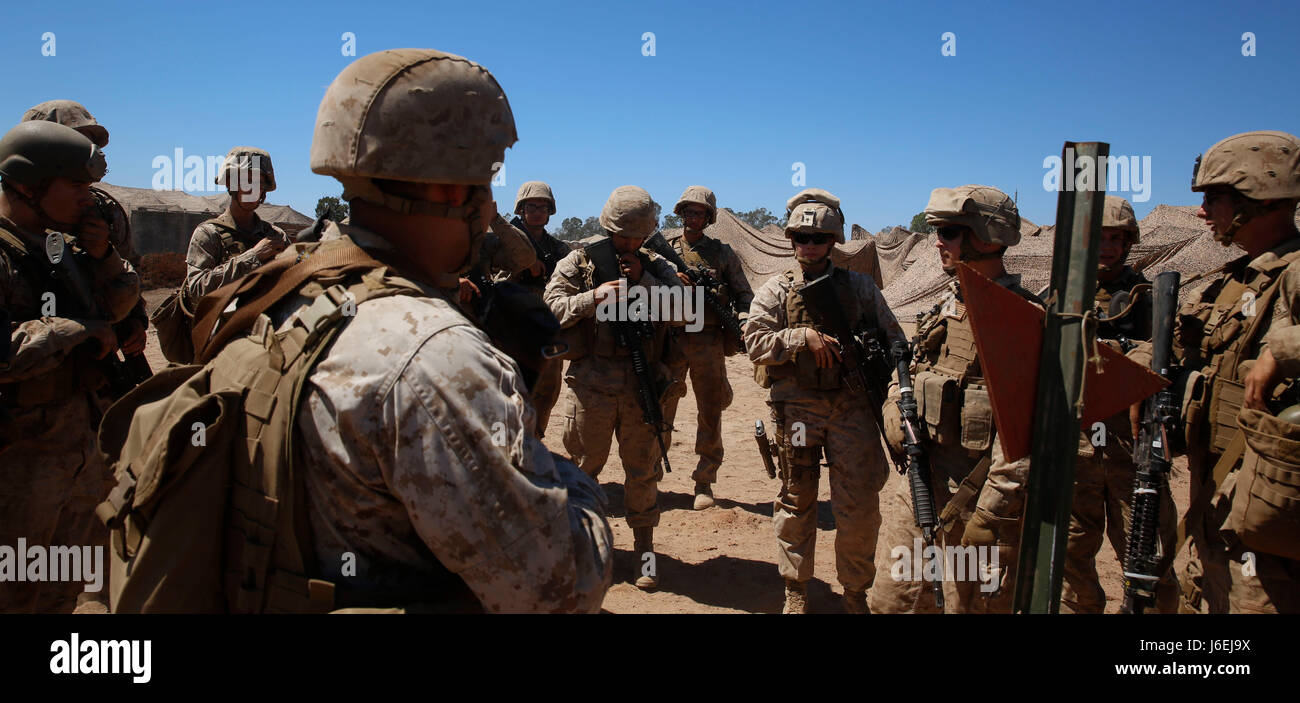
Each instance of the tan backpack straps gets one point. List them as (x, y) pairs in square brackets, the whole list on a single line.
[(969, 488), (263, 288)]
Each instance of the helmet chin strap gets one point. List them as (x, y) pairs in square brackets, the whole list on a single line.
[(34, 202), (356, 188), (1246, 210)]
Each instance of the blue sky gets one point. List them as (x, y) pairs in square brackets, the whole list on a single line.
[(734, 95)]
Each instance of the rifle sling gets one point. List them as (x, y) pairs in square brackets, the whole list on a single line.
[(969, 488), (284, 275)]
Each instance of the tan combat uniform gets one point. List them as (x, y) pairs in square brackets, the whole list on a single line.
[(704, 353), (1104, 476), (51, 472), (811, 403), (957, 419), (1210, 338), (604, 400), (423, 465), (221, 253)]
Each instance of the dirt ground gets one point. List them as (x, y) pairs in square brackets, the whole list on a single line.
[(723, 560)]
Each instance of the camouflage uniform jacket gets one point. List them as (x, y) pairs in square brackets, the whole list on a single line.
[(423, 464), (209, 266), (549, 251), (505, 251), (46, 357), (571, 295), (772, 341)]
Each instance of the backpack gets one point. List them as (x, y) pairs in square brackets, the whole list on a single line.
[(208, 514)]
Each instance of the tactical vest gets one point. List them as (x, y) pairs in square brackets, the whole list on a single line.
[(68, 379), (1217, 335), (803, 367), (596, 337), (1135, 325), (231, 244), (707, 253)]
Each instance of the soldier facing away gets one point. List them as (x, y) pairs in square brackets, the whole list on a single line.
[(604, 403), (63, 294), (980, 494), (814, 412), (1238, 338), (703, 353), (1104, 474)]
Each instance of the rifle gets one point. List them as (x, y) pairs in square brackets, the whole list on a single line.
[(699, 276), (865, 367), (630, 335), (918, 471), (1151, 453)]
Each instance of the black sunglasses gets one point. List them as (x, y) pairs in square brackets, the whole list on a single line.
[(950, 232), (818, 238)]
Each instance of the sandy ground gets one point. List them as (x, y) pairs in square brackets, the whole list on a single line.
[(723, 560)]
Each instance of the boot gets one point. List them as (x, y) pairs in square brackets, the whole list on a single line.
[(796, 598), (703, 496), (642, 542), (855, 602)]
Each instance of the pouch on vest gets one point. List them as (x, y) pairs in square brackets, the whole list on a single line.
[(976, 420), (1226, 400), (1266, 499), (936, 396), (174, 321)]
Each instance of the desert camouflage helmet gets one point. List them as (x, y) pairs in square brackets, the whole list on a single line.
[(72, 114), (247, 158), (989, 212), (814, 211), (1259, 165), (1118, 213), (534, 190), (629, 212), (415, 115), (32, 153), (698, 195)]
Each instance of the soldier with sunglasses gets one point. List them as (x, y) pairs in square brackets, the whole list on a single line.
[(812, 409), (979, 493)]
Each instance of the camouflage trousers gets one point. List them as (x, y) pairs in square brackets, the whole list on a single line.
[(51, 479), (838, 424), (703, 356), (1224, 576), (592, 418), (977, 578), (547, 391), (1103, 507)]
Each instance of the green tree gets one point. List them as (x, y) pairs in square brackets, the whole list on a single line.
[(331, 208), (672, 222), (919, 225), (758, 218)]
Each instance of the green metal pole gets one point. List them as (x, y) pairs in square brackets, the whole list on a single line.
[(1050, 492)]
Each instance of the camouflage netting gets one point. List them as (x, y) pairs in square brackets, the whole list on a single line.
[(1173, 239), (766, 253)]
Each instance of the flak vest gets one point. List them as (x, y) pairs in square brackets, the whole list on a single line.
[(1215, 335), (803, 368), (707, 253), (598, 337)]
